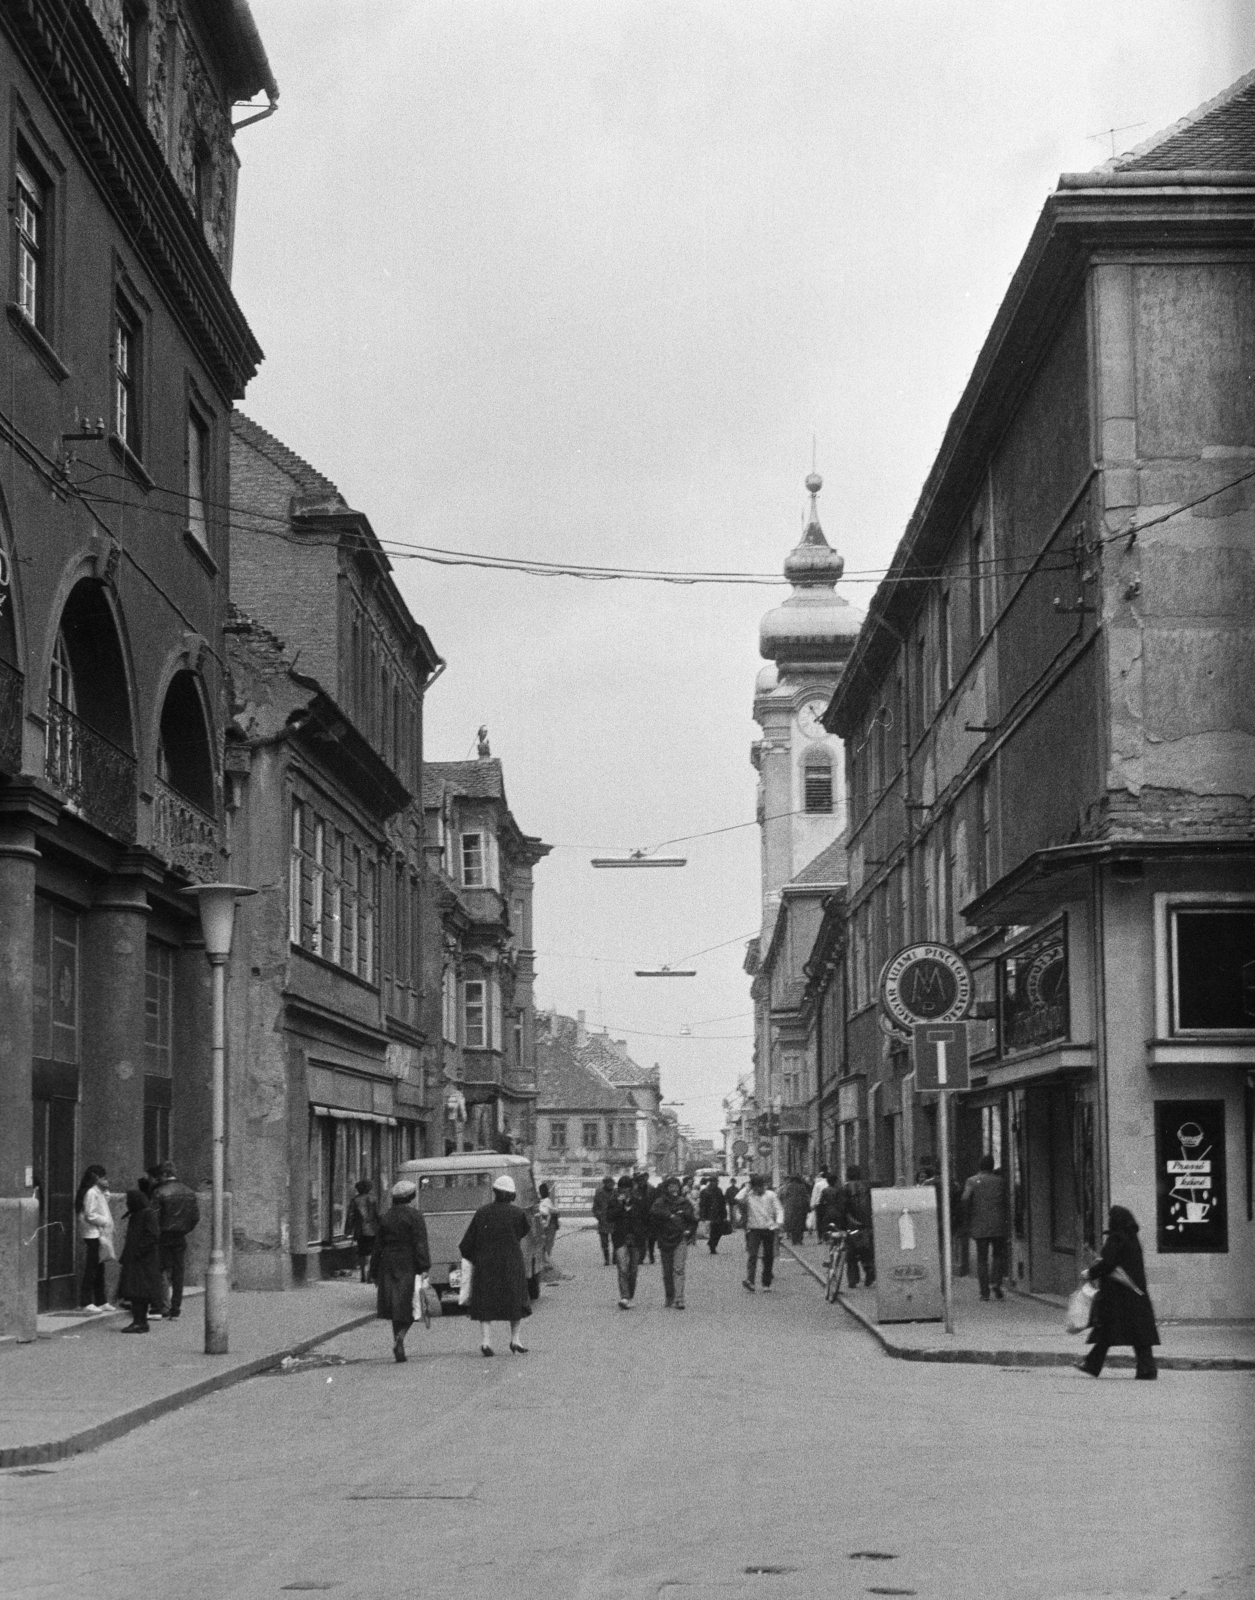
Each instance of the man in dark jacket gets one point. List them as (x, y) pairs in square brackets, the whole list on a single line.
[(648, 1193), (856, 1213), (178, 1212), (675, 1224), (713, 1209), (603, 1199), (984, 1209), (629, 1230)]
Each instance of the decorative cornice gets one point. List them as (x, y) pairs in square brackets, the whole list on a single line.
[(71, 60)]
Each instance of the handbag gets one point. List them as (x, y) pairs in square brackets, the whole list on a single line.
[(1080, 1308), (464, 1286), (419, 1307)]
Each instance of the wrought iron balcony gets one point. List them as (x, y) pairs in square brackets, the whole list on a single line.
[(184, 836), (95, 776), (12, 688)]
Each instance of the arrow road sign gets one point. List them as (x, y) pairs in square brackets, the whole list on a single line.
[(940, 1054)]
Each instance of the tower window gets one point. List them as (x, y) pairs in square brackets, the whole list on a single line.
[(817, 786)]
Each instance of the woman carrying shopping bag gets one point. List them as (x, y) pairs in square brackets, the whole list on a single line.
[(400, 1256), (1122, 1312)]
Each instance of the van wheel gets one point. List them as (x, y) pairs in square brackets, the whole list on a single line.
[(533, 1286)]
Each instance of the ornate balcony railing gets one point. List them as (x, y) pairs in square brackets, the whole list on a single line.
[(12, 691), (96, 776), (184, 836)]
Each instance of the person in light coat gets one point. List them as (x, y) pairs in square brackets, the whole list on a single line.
[(764, 1217), (95, 1229)]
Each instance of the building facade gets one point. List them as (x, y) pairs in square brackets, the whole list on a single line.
[(481, 1020), (125, 351), (1050, 758), (324, 766), (801, 815)]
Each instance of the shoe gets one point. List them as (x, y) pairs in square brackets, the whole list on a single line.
[(746, 1284), (667, 1304), (985, 1297), (134, 1327), (997, 1294), (1081, 1367), (173, 1316), (517, 1349), (92, 1310), (625, 1305), (1146, 1376), (486, 1350), (679, 1305), (766, 1288), (398, 1349)]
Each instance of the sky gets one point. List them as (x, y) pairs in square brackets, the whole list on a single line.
[(589, 281)]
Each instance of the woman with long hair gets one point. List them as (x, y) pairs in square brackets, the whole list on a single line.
[(95, 1228)]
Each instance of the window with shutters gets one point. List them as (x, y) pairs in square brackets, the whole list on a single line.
[(817, 784)]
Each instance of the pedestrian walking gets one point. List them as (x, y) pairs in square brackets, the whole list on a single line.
[(141, 1284), (493, 1246), (361, 1223), (713, 1209), (95, 1229), (984, 1208), (675, 1227), (1122, 1312), (648, 1193), (400, 1256), (817, 1190), (736, 1213), (629, 1228), (796, 1203), (829, 1208), (856, 1220), (603, 1199), (764, 1217), (178, 1213)]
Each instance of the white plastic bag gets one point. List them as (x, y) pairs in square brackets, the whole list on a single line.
[(464, 1287), (1080, 1306)]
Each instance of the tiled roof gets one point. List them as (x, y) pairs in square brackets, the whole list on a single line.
[(475, 780), (1218, 137), (610, 1056), (564, 1079), (274, 450), (829, 866)]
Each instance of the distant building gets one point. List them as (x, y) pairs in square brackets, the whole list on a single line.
[(598, 1112), (125, 350), (1049, 744), (802, 815), (324, 760), (481, 963)]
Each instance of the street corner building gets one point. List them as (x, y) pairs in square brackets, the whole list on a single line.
[(125, 351), (323, 757), (479, 958), (1049, 746)]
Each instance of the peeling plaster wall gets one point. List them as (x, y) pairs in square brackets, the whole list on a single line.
[(1177, 385)]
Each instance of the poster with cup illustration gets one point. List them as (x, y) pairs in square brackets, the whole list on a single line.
[(1190, 1175)]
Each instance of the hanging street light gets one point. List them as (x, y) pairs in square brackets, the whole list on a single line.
[(639, 861), (216, 902), (666, 972)]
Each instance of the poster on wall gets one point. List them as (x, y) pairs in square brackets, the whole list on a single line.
[(1190, 1175)]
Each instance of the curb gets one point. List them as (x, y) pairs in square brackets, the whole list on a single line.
[(31, 1455), (966, 1356)]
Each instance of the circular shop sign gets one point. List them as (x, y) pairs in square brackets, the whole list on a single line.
[(740, 1148), (764, 1147), (925, 983)]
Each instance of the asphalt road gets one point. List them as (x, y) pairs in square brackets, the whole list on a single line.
[(656, 1453)]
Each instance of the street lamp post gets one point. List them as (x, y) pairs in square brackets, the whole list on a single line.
[(216, 902)]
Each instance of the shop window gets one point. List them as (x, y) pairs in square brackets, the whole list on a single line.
[(1213, 969)]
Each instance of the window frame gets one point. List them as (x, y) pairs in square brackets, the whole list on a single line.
[(196, 479), (558, 1135), (127, 414), (29, 179), (1166, 905), (479, 1005), (469, 882)]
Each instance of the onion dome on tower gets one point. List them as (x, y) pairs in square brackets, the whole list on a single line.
[(815, 627)]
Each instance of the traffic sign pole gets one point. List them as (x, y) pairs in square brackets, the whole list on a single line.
[(943, 1133)]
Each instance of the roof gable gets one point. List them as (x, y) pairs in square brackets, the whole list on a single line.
[(1219, 136)]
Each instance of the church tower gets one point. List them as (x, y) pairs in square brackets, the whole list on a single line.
[(801, 778)]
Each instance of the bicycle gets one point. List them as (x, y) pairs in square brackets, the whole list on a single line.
[(834, 1267)]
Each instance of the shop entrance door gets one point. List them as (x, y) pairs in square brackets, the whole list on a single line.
[(1050, 1143), (55, 1122)]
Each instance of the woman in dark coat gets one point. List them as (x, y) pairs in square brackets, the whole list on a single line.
[(498, 1277), (1122, 1312), (797, 1202), (141, 1283), (400, 1254)]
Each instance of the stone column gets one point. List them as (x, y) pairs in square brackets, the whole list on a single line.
[(112, 1011), (19, 1212)]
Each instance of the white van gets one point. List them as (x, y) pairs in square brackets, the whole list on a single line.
[(451, 1190)]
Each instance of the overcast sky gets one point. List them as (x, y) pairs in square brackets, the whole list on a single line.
[(580, 280)]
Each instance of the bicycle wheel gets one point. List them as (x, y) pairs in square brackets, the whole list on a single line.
[(836, 1271)]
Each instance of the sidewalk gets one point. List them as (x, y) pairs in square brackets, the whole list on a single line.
[(1024, 1331), (81, 1384)]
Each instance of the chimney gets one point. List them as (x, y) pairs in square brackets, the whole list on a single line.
[(581, 1033)]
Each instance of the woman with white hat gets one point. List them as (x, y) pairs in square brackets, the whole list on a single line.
[(498, 1277), (400, 1255)]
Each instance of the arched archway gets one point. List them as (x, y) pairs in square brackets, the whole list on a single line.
[(90, 750), (185, 826)]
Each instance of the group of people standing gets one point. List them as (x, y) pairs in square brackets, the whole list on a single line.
[(160, 1213)]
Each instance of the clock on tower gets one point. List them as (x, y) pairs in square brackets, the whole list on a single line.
[(808, 719)]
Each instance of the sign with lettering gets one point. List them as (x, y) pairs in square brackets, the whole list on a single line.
[(1190, 1175), (1033, 991), (925, 983)]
